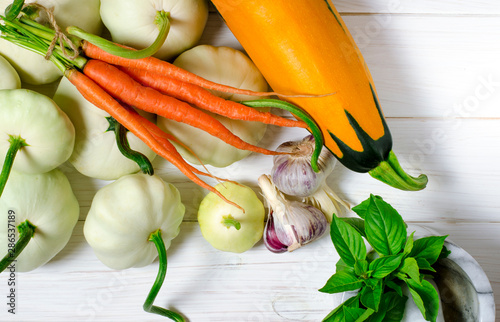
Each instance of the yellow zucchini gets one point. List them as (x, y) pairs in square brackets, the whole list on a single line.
[(304, 47)]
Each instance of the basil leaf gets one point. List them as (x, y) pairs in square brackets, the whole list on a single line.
[(396, 287), (445, 252), (342, 266), (360, 267), (392, 308), (384, 227), (426, 298), (356, 223), (335, 315), (371, 282), (341, 282), (370, 297), (347, 241), (408, 244), (428, 248), (353, 314), (410, 267), (383, 266), (361, 209), (423, 264)]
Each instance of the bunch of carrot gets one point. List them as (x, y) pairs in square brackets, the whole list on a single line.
[(114, 83)]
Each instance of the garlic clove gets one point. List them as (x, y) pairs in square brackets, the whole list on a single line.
[(271, 240), (326, 200)]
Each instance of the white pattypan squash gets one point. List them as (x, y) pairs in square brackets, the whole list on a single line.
[(226, 66), (9, 79), (47, 202), (125, 213), (32, 67), (132, 23), (96, 153), (46, 129)]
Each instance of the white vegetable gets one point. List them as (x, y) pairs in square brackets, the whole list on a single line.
[(46, 201), (46, 129), (226, 66), (132, 23), (33, 68), (96, 153), (125, 213), (9, 79)]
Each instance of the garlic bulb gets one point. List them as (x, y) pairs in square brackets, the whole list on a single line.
[(292, 173), (291, 224)]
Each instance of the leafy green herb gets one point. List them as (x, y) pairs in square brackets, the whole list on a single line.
[(398, 261)]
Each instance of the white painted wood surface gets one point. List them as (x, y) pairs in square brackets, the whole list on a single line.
[(436, 65)]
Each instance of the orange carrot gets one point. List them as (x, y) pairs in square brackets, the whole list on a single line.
[(100, 98), (165, 138), (124, 88), (165, 68), (204, 99)]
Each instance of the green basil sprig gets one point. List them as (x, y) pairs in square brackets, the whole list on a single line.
[(379, 276)]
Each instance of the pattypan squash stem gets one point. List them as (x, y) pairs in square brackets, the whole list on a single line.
[(162, 20), (13, 10), (124, 147), (302, 115), (26, 231), (229, 222), (16, 143), (148, 306)]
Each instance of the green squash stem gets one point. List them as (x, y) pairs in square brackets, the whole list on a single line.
[(162, 20), (300, 114), (16, 143), (391, 173), (124, 147), (13, 10), (26, 231), (148, 306)]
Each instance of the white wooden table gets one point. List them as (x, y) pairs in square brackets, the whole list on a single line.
[(436, 66)]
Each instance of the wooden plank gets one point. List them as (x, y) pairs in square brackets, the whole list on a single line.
[(423, 66), (206, 284), (422, 7)]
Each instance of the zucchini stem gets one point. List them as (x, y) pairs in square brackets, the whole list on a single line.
[(26, 231), (124, 146), (148, 306), (16, 143), (391, 173)]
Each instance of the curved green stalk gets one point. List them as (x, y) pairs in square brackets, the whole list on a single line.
[(391, 172), (163, 22), (16, 143), (124, 147), (13, 10), (26, 231), (302, 115), (148, 306)]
